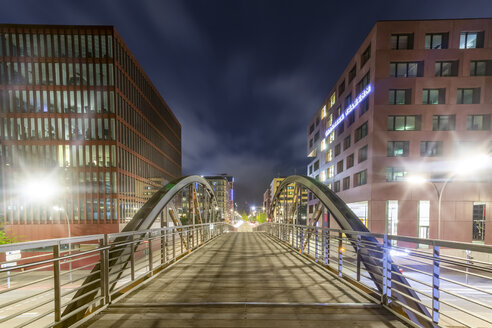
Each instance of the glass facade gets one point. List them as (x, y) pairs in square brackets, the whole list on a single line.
[(75, 105)]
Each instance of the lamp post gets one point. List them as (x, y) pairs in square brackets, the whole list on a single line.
[(463, 168), (61, 209)]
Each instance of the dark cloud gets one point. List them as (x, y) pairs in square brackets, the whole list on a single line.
[(243, 77)]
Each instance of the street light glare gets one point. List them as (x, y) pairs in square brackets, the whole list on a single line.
[(471, 164), (416, 179), (40, 190)]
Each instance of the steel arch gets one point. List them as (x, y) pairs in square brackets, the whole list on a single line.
[(141, 221), (347, 220)]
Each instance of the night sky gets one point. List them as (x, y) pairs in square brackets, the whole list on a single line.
[(243, 77)]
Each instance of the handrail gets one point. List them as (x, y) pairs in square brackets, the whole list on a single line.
[(439, 276)]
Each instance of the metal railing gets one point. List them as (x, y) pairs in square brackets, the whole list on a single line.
[(37, 288), (452, 280)]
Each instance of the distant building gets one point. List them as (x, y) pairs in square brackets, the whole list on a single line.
[(223, 186), (78, 112), (286, 199), (414, 101)]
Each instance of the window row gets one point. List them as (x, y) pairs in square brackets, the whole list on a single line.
[(68, 129), (464, 96), (70, 74), (468, 40), (439, 123), (359, 179), (441, 68), (56, 45), (80, 101), (59, 156)]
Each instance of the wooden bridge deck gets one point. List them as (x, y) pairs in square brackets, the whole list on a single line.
[(244, 280)]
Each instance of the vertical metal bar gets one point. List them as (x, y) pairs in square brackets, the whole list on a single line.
[(435, 286), (340, 254), (106, 270), (174, 243), (316, 245), (193, 237), (385, 269), (132, 257), (326, 241), (56, 282), (358, 257), (151, 257), (301, 238), (388, 272), (102, 272)]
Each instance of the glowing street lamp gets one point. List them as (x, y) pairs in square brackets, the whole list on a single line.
[(463, 167), (42, 190)]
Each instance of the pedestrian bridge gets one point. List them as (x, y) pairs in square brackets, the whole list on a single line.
[(283, 274)]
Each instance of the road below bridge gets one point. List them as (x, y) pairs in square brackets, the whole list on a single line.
[(244, 279)]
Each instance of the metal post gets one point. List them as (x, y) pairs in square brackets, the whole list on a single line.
[(316, 245), (389, 271), (132, 258), (326, 248), (385, 269), (301, 237), (174, 243), (435, 286), (56, 282), (102, 274), (358, 257), (340, 254), (151, 262), (106, 270)]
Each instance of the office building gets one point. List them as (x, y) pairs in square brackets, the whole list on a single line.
[(286, 201), (85, 136), (412, 105)]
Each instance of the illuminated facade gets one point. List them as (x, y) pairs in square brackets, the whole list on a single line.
[(78, 112), (286, 198), (223, 186), (414, 101)]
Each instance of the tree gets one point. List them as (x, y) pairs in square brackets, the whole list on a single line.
[(244, 216), (4, 238), (262, 218)]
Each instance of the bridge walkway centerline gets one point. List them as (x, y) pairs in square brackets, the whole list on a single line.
[(244, 279)]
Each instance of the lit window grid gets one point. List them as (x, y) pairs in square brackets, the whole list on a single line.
[(62, 102)]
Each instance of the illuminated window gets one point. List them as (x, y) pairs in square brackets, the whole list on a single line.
[(323, 112), (331, 171), (331, 137), (424, 218), (323, 144), (329, 155), (323, 175), (395, 174), (391, 217), (470, 40), (332, 99), (329, 121)]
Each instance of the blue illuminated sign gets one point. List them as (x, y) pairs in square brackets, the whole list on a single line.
[(349, 109), (232, 194)]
